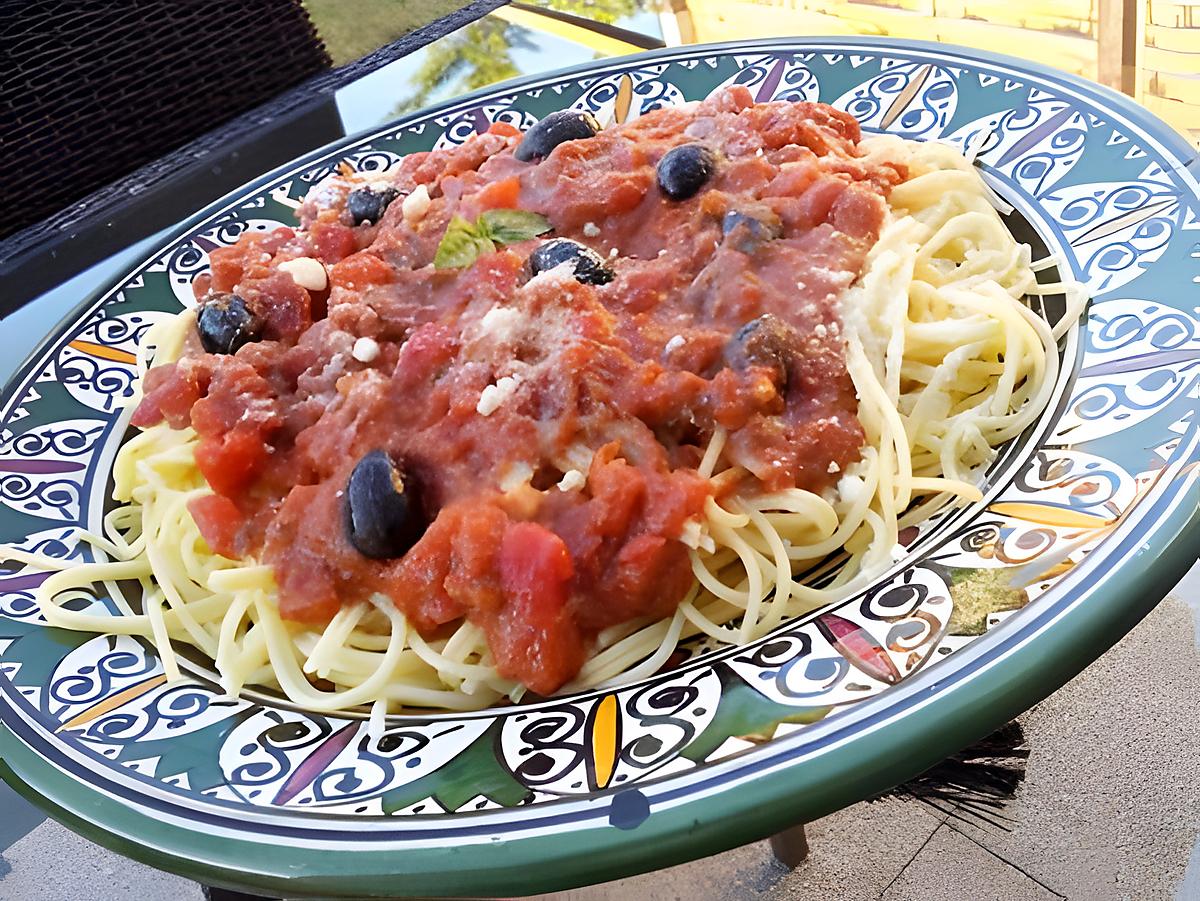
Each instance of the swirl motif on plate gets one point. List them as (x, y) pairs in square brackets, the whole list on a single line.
[(355, 780), (906, 98), (855, 650), (42, 469), (775, 77), (1142, 357), (585, 746), (1034, 144), (99, 365), (624, 97), (18, 581), (1116, 228), (459, 128), (104, 672)]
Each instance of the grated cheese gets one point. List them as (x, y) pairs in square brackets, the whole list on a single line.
[(515, 476), (415, 205), (500, 322), (306, 272), (493, 397), (695, 535), (674, 344), (572, 480), (365, 350), (850, 488), (591, 229)]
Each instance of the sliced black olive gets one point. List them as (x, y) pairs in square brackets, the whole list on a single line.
[(383, 511), (768, 342), (557, 128), (749, 231), (225, 323), (367, 205), (589, 267), (683, 170)]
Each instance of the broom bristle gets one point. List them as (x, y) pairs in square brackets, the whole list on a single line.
[(976, 783)]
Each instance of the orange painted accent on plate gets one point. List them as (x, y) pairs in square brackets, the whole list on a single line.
[(105, 353), (112, 702), (604, 739), (624, 99), (1051, 516)]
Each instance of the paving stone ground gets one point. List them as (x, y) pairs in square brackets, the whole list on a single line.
[(1110, 809)]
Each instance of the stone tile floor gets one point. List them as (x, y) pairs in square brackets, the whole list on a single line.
[(1110, 809)]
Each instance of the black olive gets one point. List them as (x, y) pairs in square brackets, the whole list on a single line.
[(367, 205), (589, 267), (683, 170), (768, 342), (225, 323), (749, 231), (383, 510), (557, 128)]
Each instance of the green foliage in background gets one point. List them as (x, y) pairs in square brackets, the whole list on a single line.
[(481, 54), (353, 28), (606, 11), (478, 55)]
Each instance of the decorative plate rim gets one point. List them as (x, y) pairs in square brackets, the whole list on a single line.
[(772, 789)]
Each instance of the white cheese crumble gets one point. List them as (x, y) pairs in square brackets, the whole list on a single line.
[(492, 397), (820, 330), (695, 535), (327, 191), (833, 467), (850, 488), (591, 229), (572, 480), (415, 205), (307, 273), (612, 253), (674, 344), (365, 350), (562, 274), (515, 476), (500, 322)]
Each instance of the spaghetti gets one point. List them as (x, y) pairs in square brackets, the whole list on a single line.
[(948, 361)]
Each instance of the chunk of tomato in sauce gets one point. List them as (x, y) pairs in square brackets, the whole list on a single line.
[(285, 307), (360, 270), (168, 394), (501, 194), (230, 462), (504, 130), (220, 522), (229, 265), (534, 638), (333, 242)]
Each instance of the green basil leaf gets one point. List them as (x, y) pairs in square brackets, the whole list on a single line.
[(459, 246), (512, 226)]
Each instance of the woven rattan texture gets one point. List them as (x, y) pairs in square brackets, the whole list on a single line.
[(92, 90)]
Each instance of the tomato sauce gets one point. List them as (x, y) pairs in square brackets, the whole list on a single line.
[(555, 511)]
